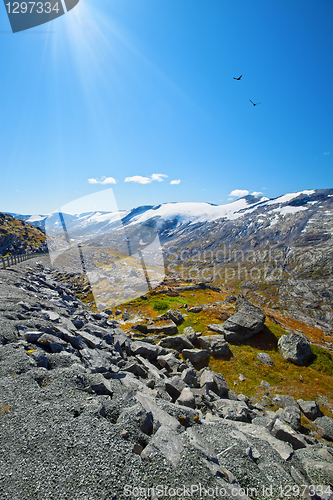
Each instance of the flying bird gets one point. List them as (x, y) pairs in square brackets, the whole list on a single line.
[(254, 103), (237, 78)]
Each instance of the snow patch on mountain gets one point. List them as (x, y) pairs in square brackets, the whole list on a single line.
[(290, 196), (192, 213), (288, 210)]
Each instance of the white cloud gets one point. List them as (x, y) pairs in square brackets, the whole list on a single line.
[(104, 180), (158, 177), (256, 193), (176, 181), (139, 179), (239, 192)]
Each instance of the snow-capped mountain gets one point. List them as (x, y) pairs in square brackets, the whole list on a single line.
[(253, 214), (298, 210), (284, 246)]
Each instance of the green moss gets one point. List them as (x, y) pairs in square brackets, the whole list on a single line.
[(323, 362), (160, 305)]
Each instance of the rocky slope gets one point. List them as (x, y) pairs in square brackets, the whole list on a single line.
[(17, 237), (89, 411)]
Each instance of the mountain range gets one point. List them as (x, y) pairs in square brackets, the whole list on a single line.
[(279, 251)]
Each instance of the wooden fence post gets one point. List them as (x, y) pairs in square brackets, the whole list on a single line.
[(3, 263)]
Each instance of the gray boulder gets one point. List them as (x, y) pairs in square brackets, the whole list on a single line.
[(186, 398), (190, 333), (247, 321), (291, 415), (175, 316), (217, 328), (136, 368), (146, 350), (174, 386), (40, 357), (99, 361), (285, 433), (169, 328), (232, 410), (221, 385), (214, 382), (215, 344), (195, 309), (189, 377), (195, 355), (176, 342), (310, 409), (295, 348), (91, 340), (324, 426), (169, 361), (55, 344), (165, 443), (76, 342), (137, 417)]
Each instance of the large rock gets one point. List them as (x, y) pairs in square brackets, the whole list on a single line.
[(186, 398), (295, 348), (190, 333), (214, 381), (196, 356), (246, 322), (144, 349), (169, 328), (310, 409), (215, 344), (55, 344), (324, 426), (291, 415), (189, 377), (176, 342), (169, 361), (175, 316), (165, 443), (232, 410), (99, 361), (284, 432)]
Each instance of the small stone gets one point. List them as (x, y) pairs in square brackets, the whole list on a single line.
[(241, 377), (124, 434), (265, 358), (137, 448)]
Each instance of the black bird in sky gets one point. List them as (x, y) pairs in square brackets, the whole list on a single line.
[(254, 103), (238, 77)]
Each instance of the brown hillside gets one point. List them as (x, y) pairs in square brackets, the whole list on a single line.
[(18, 237)]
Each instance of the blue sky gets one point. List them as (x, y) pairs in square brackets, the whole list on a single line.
[(143, 91)]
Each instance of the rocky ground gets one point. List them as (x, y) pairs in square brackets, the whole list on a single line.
[(90, 412)]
